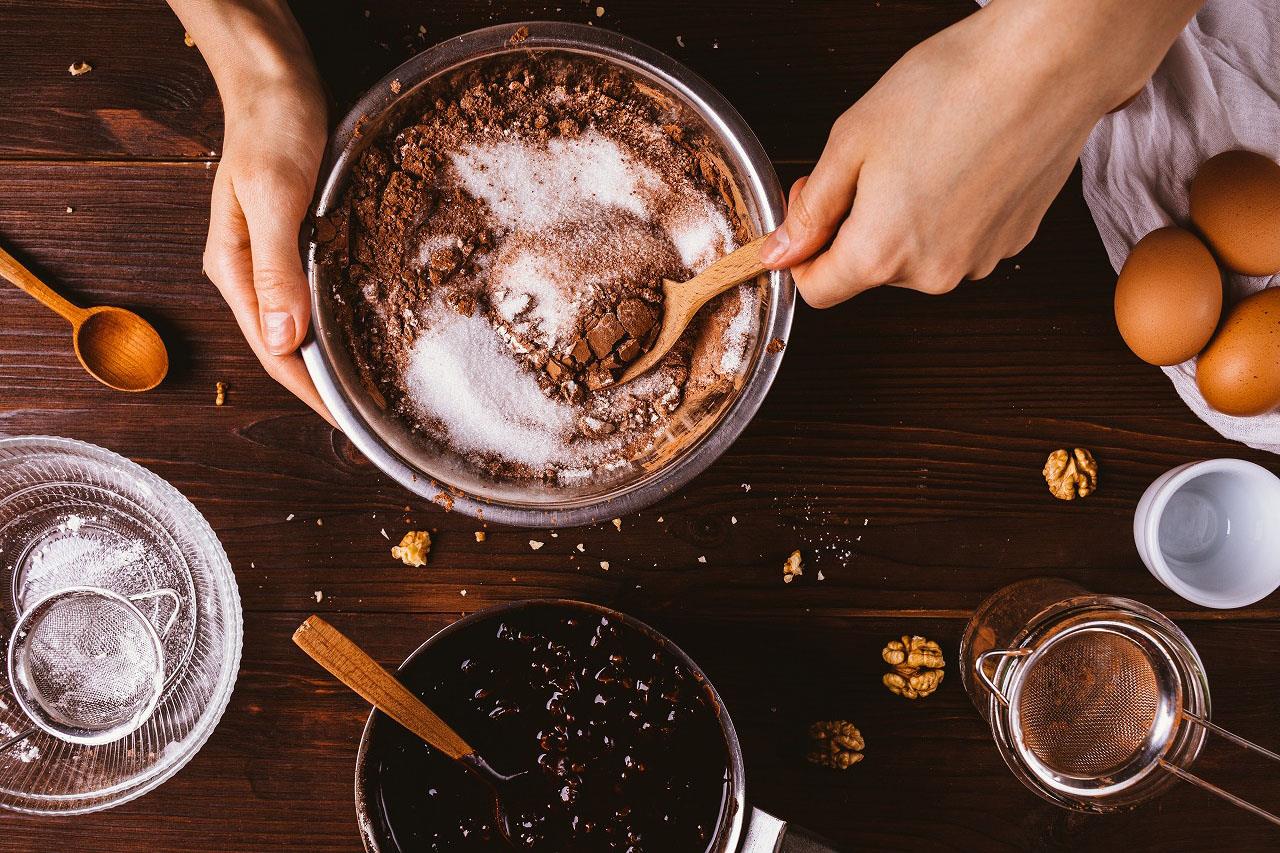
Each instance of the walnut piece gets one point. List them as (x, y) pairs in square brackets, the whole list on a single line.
[(219, 394), (835, 743), (413, 548), (793, 567), (1071, 474), (76, 69), (917, 667)]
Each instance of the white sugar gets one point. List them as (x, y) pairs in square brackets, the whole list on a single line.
[(533, 187), (462, 374), (533, 282), (512, 304), (738, 334), (701, 235)]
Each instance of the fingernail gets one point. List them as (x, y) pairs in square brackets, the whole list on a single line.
[(278, 331), (775, 245)]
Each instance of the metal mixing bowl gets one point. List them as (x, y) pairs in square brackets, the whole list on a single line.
[(447, 478)]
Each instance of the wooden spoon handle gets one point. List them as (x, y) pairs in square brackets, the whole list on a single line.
[(25, 280), (734, 268), (349, 663), (683, 300)]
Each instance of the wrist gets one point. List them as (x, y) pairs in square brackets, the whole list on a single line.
[(254, 49)]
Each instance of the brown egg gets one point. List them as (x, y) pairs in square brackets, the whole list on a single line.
[(1239, 372), (1235, 202), (1168, 297)]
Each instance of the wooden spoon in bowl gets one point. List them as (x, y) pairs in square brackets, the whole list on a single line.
[(116, 347), (683, 299), (351, 665)]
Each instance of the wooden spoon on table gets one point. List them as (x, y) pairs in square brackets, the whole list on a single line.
[(681, 301), (116, 347), (351, 665)]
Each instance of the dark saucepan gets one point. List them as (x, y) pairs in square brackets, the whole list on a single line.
[(631, 747)]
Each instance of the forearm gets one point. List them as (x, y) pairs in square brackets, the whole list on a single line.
[(1103, 49), (248, 44)]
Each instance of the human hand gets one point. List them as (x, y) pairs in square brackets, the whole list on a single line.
[(276, 125), (271, 154), (948, 164)]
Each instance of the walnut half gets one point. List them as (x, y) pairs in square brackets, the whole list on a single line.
[(835, 743), (917, 667), (1071, 474), (413, 548)]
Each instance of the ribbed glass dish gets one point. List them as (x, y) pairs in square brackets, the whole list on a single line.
[(72, 514)]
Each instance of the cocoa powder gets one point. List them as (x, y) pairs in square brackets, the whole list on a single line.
[(547, 195)]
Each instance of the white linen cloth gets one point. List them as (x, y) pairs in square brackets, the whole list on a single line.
[(1217, 89)]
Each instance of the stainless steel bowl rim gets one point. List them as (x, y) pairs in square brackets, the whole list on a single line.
[(730, 833), (761, 183)]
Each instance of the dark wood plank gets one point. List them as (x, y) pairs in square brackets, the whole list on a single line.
[(791, 71), (148, 95)]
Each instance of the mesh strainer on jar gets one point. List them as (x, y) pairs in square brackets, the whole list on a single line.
[(1096, 709), (86, 665)]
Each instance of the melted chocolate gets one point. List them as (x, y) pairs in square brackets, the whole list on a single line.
[(623, 743)]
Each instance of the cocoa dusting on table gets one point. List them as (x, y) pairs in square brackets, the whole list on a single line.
[(502, 255)]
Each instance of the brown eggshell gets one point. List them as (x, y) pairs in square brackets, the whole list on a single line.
[(1235, 203), (1239, 372), (1168, 297)]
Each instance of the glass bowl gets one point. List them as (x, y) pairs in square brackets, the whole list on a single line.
[(72, 514), (443, 476)]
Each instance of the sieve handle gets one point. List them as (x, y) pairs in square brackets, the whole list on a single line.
[(16, 739), (980, 670), (1204, 722), (1188, 776), (20, 736), (1193, 779), (170, 594)]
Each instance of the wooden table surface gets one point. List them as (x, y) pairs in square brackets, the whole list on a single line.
[(900, 448)]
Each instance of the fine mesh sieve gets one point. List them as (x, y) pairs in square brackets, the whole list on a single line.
[(1096, 708), (86, 665)]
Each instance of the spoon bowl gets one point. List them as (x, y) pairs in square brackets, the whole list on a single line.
[(682, 300), (114, 346), (120, 349)]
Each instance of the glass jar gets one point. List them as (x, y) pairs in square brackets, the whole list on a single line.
[(999, 643)]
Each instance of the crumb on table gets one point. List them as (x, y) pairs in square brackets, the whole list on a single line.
[(793, 567)]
